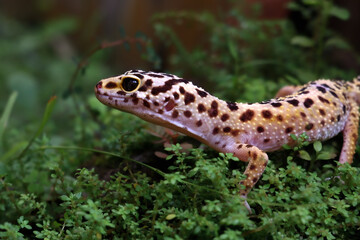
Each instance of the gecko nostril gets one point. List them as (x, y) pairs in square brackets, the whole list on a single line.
[(99, 85)]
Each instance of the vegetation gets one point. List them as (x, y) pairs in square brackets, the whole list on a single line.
[(84, 171)]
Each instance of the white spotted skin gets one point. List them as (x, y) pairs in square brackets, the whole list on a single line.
[(321, 109)]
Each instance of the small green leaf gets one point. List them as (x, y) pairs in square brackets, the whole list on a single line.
[(304, 155), (340, 13), (326, 156), (293, 136), (302, 41), (170, 216), (338, 43), (287, 147), (6, 114), (317, 146)]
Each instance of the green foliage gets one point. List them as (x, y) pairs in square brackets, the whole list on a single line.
[(83, 171), (245, 56)]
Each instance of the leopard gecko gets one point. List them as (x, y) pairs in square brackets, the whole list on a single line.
[(321, 109)]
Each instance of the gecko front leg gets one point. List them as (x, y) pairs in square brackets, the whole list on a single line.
[(350, 135), (257, 163)]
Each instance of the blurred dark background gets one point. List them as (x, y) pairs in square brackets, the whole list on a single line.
[(97, 21)]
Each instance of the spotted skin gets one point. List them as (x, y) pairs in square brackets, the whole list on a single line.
[(321, 109)]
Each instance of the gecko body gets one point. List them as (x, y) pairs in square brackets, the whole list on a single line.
[(321, 109)]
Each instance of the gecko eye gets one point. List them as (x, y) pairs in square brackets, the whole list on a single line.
[(130, 84)]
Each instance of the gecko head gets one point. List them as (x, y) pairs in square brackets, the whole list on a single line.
[(152, 96)]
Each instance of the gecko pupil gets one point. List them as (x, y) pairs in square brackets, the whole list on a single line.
[(130, 84)]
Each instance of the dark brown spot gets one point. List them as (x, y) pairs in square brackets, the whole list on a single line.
[(254, 179), (276, 104), (344, 109), (147, 97), (166, 87), (110, 85), (160, 111), (135, 100), (213, 111), (322, 112), (303, 114), (289, 130), (260, 129), (322, 123), (110, 98), (189, 98), (214, 104), (321, 89), (247, 115), (303, 92), (293, 102), (201, 108), (309, 126), (226, 129), (201, 93), (308, 102), (149, 82), (232, 106), (324, 100), (156, 103), (325, 85), (249, 146), (142, 89), (139, 75), (279, 118), (225, 117), (266, 114), (121, 92), (187, 113), (170, 105), (182, 90), (240, 146), (176, 95), (223, 146), (266, 140), (332, 119), (146, 103), (235, 132), (252, 167), (334, 94), (254, 155), (215, 130), (338, 118), (155, 75), (199, 123), (175, 114)]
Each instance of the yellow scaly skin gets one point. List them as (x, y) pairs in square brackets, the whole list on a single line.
[(321, 109)]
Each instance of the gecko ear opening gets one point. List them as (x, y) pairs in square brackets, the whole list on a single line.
[(130, 83)]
